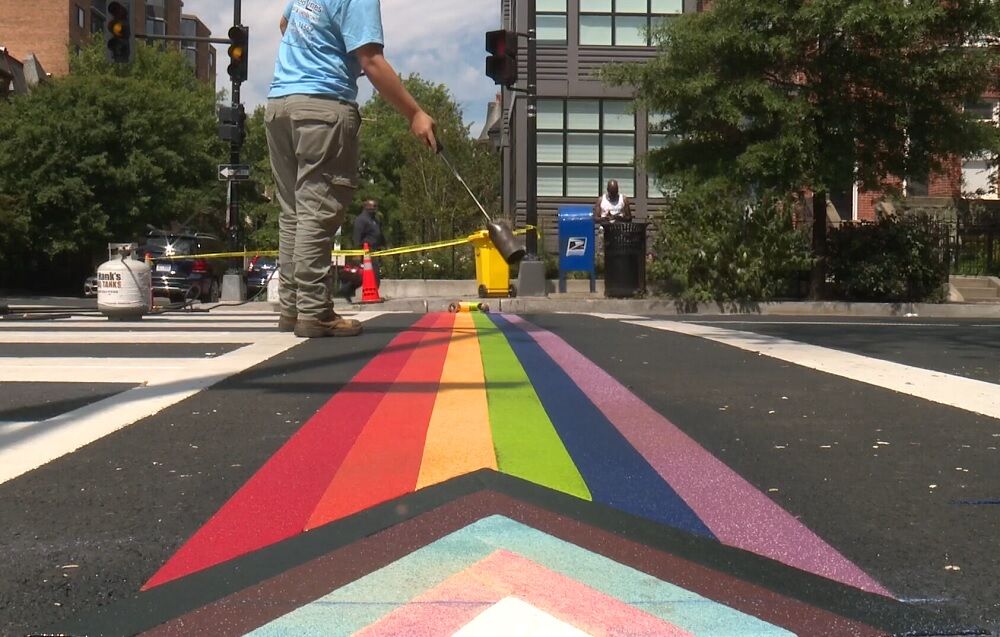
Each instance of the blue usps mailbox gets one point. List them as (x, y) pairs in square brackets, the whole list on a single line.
[(576, 243)]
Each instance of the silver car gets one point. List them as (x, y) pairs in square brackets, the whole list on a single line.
[(90, 286)]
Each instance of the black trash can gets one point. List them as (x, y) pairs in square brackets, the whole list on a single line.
[(624, 259)]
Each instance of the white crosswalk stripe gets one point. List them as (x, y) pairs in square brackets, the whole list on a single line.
[(156, 382), (947, 389)]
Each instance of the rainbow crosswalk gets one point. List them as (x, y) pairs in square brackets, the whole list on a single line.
[(458, 393)]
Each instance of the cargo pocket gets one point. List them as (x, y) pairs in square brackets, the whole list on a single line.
[(326, 134)]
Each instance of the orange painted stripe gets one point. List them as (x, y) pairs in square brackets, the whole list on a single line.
[(459, 439), (384, 462)]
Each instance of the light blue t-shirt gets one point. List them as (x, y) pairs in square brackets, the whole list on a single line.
[(316, 53)]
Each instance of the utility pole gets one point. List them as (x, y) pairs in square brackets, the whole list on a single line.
[(233, 285), (531, 273)]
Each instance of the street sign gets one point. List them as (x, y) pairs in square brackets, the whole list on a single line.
[(234, 172)]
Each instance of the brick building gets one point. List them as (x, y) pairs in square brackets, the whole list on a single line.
[(51, 29)]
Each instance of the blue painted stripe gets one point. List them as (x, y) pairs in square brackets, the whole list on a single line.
[(615, 473)]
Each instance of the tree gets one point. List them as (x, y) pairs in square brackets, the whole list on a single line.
[(420, 198), (813, 95), (97, 155), (259, 203)]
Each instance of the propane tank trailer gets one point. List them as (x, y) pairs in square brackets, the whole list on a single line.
[(124, 288)]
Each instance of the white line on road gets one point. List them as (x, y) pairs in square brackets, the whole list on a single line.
[(964, 393), (32, 445), (94, 370), (833, 323), (117, 338)]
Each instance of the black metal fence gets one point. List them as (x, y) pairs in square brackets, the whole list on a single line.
[(975, 240)]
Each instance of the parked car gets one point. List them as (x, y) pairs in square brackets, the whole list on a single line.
[(186, 278), (90, 286), (348, 273), (260, 270)]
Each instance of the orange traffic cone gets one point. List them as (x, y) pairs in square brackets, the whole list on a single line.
[(369, 286)]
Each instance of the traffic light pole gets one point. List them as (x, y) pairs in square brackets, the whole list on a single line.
[(233, 211), (531, 273), (531, 190), (233, 285)]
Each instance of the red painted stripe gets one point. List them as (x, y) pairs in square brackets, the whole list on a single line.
[(385, 461), (276, 502)]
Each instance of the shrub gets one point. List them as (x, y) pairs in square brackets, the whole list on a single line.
[(893, 259), (712, 246)]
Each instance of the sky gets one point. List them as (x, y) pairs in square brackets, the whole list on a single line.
[(442, 40)]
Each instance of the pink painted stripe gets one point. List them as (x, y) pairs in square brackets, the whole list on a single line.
[(446, 608), (736, 512)]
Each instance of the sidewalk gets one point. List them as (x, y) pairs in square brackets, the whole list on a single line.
[(434, 296)]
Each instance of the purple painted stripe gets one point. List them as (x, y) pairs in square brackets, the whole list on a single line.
[(737, 513)]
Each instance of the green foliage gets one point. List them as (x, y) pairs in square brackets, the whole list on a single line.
[(419, 197), (436, 264), (95, 156), (818, 94), (713, 246), (895, 258), (260, 205)]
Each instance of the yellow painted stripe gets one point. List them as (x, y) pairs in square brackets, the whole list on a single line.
[(459, 438)]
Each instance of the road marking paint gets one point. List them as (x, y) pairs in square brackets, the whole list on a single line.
[(176, 380), (456, 446), (511, 614), (793, 323), (120, 338), (964, 393)]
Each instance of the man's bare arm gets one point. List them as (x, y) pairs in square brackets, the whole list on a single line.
[(283, 24), (386, 81)]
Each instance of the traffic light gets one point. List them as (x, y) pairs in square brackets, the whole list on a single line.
[(239, 38), (232, 124), (118, 32), (501, 64)]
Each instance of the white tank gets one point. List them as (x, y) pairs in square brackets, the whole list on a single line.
[(124, 289)]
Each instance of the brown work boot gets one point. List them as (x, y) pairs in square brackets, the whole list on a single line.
[(287, 323), (334, 326)]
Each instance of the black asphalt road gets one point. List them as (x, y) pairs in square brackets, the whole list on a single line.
[(875, 505), (118, 350), (968, 348), (90, 528), (26, 402)]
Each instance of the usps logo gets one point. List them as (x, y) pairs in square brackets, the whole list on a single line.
[(576, 246)]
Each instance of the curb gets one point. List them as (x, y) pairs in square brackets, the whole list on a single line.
[(666, 307)]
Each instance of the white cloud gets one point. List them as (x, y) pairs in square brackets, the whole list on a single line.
[(442, 40)]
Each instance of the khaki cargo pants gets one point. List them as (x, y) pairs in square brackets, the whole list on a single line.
[(314, 157)]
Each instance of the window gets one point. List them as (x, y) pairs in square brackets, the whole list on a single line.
[(979, 173), (655, 140), (550, 20), (156, 18), (98, 11), (623, 22), (189, 27), (81, 18), (584, 143)]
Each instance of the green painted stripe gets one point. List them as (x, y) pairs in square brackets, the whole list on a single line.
[(526, 442)]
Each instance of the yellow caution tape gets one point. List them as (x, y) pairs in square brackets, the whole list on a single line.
[(423, 247)]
